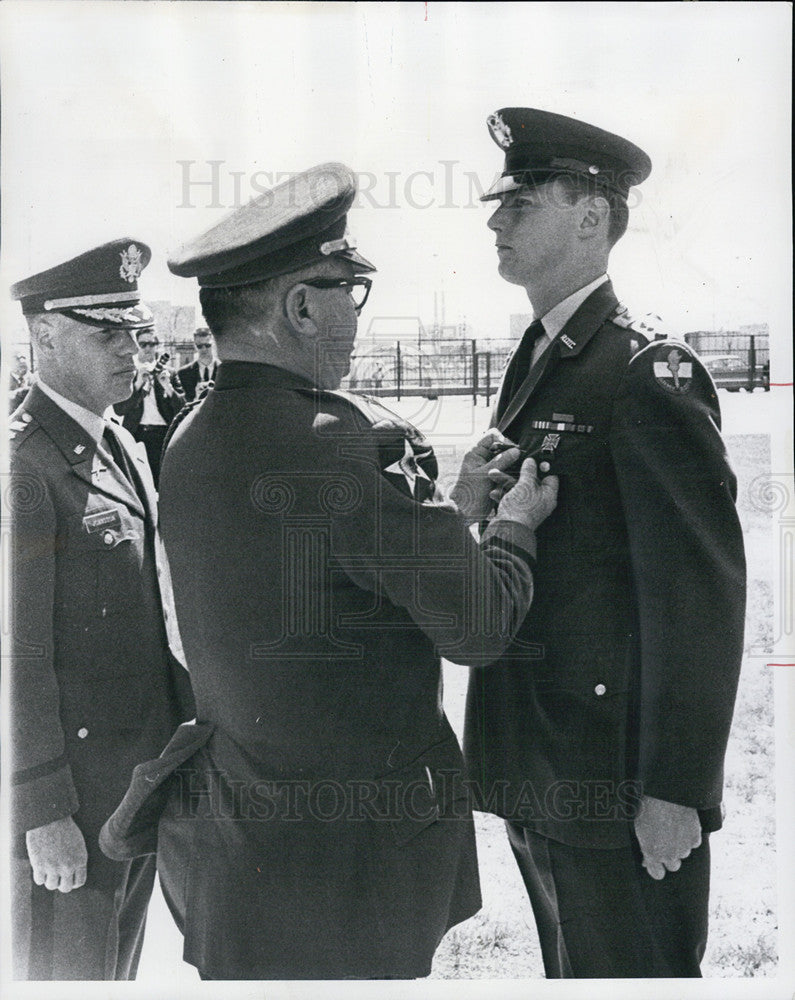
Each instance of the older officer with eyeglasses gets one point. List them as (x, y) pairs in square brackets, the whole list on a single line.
[(313, 824)]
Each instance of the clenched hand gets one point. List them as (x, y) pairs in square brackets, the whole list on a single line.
[(530, 501), (667, 833), (57, 854)]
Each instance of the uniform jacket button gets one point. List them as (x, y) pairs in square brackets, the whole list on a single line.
[(107, 538), (82, 732), (600, 689)]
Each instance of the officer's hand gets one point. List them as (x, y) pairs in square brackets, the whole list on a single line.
[(529, 502), (141, 380), (57, 854), (482, 470), (667, 833)]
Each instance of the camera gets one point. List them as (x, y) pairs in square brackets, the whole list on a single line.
[(161, 363)]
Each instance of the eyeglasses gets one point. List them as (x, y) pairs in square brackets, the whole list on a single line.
[(357, 288), (148, 343)]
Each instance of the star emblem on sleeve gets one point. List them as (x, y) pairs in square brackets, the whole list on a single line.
[(417, 480)]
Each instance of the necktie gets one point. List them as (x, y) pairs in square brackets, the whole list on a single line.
[(120, 458), (522, 360)]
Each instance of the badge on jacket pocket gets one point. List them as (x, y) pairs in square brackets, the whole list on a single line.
[(102, 520)]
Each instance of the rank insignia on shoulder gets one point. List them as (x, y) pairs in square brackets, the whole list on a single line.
[(650, 325), (673, 368)]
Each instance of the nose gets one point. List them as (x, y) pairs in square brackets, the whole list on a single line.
[(495, 222), (129, 345)]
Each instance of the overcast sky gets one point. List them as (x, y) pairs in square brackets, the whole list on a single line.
[(111, 112)]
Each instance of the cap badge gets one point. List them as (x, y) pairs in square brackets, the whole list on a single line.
[(500, 131), (346, 242), (131, 265)]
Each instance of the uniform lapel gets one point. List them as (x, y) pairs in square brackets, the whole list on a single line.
[(86, 460), (568, 344), (525, 390), (137, 456)]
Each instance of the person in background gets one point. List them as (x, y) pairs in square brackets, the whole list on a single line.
[(94, 687), (20, 380), (197, 377), (155, 400)]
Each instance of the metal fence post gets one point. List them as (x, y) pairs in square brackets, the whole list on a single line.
[(474, 373), (398, 372), (752, 363), (488, 378)]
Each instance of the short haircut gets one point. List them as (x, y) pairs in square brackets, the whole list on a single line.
[(223, 307), (577, 187)]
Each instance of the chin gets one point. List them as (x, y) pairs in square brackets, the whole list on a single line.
[(509, 275)]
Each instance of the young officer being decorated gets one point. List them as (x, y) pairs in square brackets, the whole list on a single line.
[(94, 688), (620, 687), (313, 824)]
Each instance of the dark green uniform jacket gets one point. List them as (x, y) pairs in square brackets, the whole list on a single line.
[(318, 574), (94, 689), (623, 676)]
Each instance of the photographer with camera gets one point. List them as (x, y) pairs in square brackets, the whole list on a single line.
[(156, 399)]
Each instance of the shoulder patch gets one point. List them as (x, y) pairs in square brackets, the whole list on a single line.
[(405, 458), (672, 365)]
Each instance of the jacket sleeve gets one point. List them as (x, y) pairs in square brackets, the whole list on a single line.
[(688, 566), (42, 789), (172, 404), (469, 599)]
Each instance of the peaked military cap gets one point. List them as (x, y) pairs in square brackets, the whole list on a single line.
[(539, 145), (99, 288), (299, 222)]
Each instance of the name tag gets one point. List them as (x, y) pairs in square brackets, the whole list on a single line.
[(101, 520)]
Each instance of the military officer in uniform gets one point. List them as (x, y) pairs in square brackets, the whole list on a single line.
[(314, 823), (604, 726), (94, 687)]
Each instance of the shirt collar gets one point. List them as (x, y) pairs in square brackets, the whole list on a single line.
[(559, 315), (92, 423)]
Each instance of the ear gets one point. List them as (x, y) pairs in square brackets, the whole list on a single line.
[(45, 333), (595, 217), (297, 308)]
